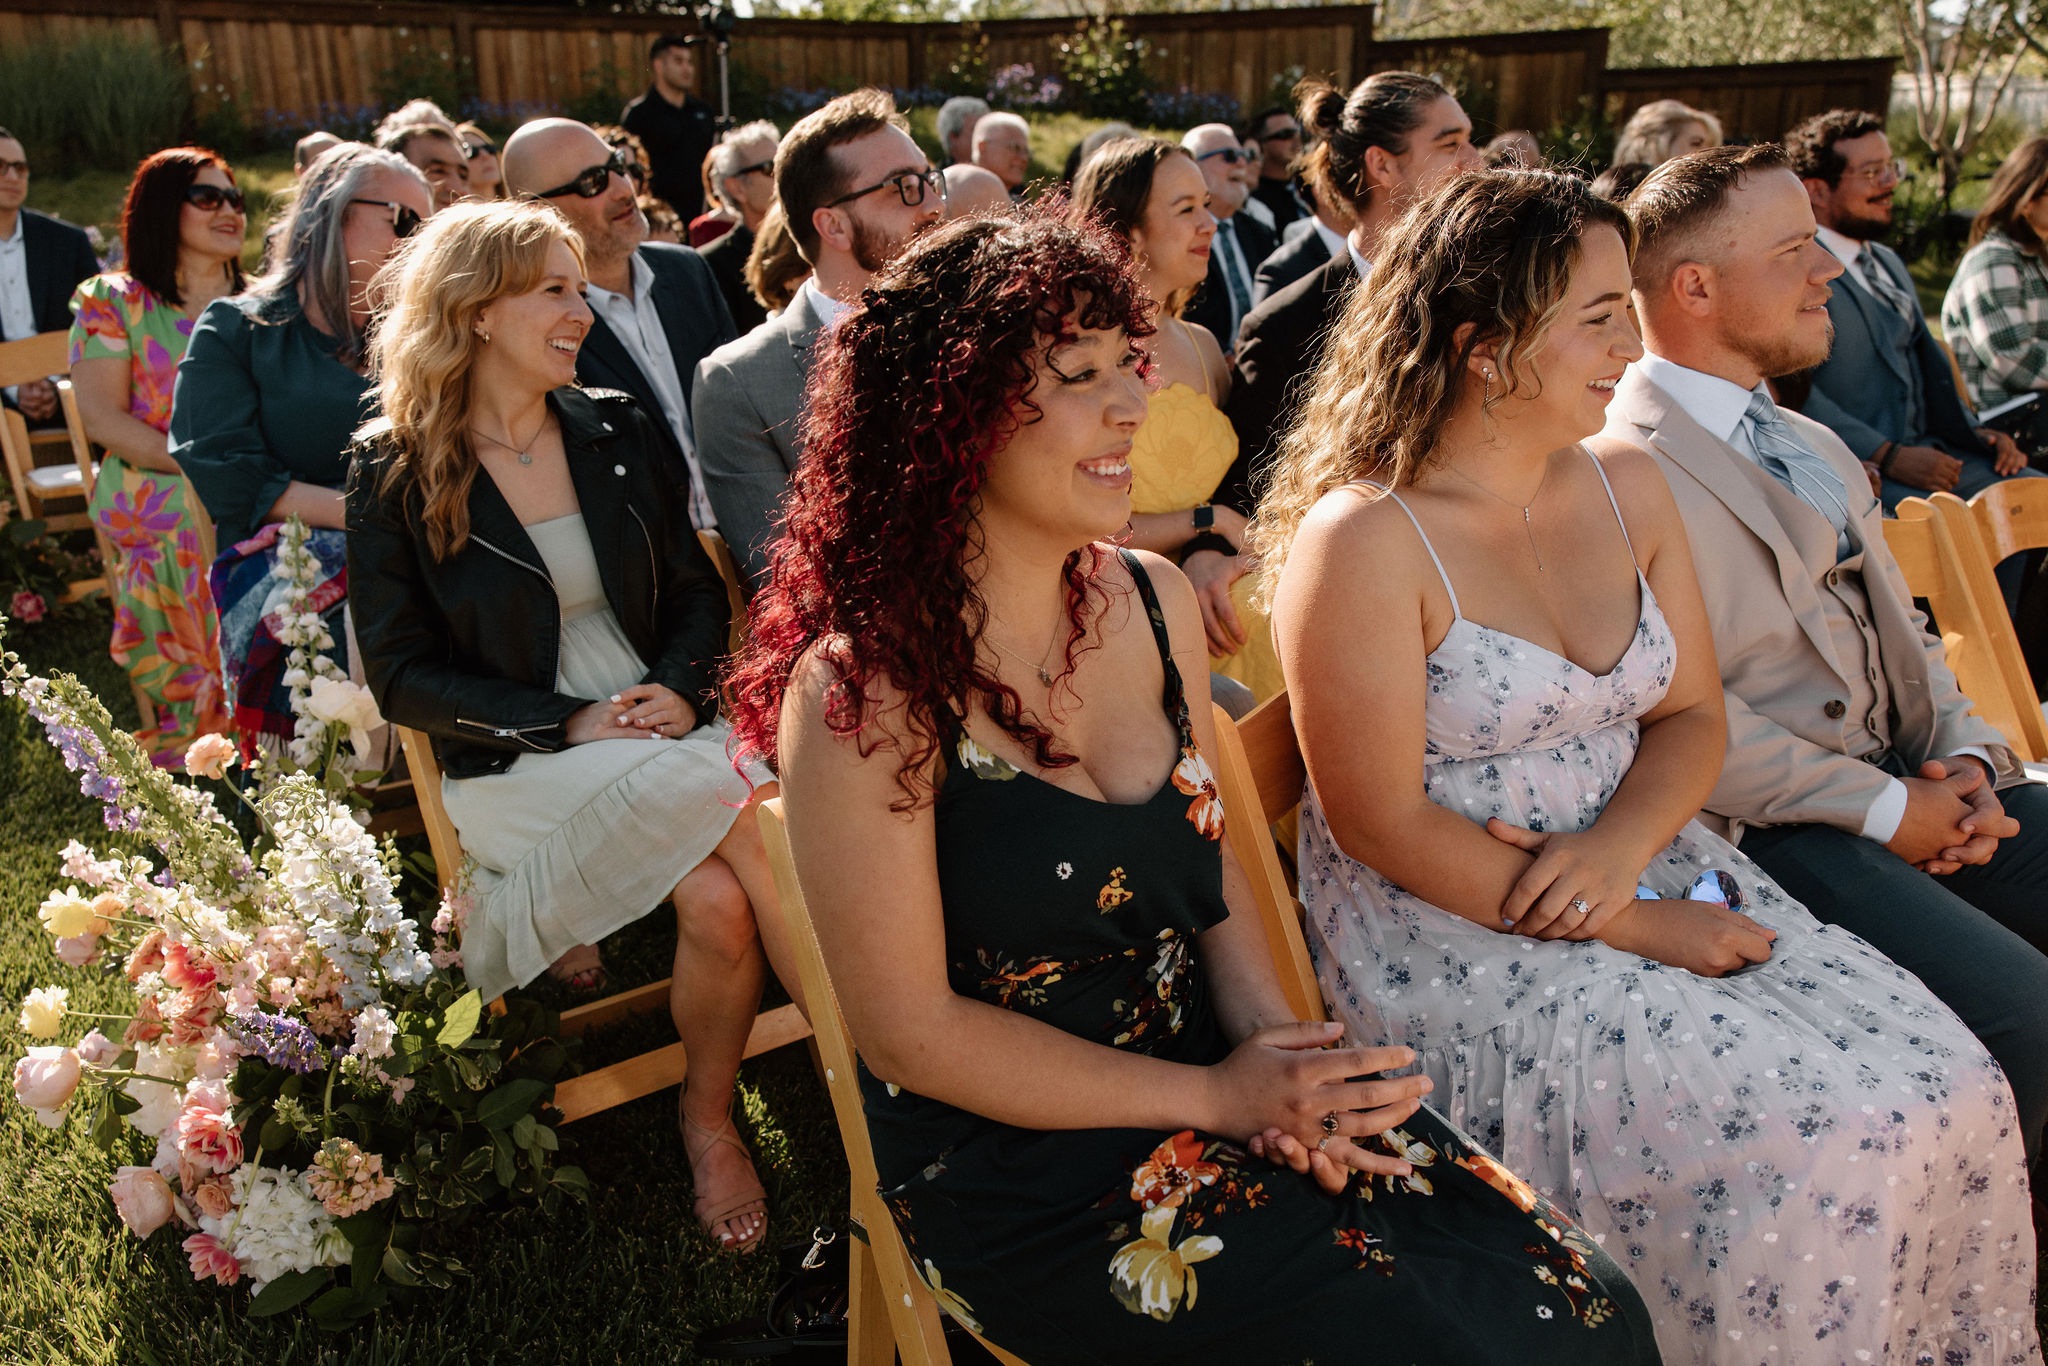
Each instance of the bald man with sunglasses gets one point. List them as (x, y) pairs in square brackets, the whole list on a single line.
[(657, 306)]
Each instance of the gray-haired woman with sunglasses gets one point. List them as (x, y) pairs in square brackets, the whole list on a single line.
[(268, 394)]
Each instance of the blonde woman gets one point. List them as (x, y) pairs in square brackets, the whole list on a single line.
[(528, 590), (1663, 129), (1504, 684)]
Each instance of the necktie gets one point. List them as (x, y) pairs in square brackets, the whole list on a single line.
[(1798, 466), (1240, 292), (1882, 284)]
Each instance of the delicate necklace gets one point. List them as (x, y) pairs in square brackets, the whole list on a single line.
[(1039, 667), (524, 458), (1527, 525)]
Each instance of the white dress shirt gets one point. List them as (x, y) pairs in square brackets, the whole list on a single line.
[(633, 320), (1719, 405), (828, 309)]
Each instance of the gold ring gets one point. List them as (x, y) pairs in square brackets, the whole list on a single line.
[(1330, 1122)]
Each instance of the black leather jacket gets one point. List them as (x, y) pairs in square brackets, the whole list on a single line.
[(466, 649)]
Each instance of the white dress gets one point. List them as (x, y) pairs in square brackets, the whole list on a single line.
[(572, 846), (1811, 1160)]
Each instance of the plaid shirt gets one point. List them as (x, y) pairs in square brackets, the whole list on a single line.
[(1995, 317)]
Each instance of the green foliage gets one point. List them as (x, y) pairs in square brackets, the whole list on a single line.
[(606, 88), (968, 70), (1672, 32), (40, 565), (1103, 70), (1584, 142), (420, 71), (102, 100)]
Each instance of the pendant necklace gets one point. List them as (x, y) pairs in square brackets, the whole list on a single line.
[(1527, 525), (1038, 668), (524, 457)]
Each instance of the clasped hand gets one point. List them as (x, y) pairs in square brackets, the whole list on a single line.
[(645, 711), (1953, 817), (1275, 1088)]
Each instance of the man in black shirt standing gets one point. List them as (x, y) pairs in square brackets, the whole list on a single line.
[(674, 125)]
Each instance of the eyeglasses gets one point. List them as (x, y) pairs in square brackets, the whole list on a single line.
[(1236, 156), (760, 167), (209, 198), (472, 150), (1280, 135), (19, 168), (594, 181), (404, 220), (910, 186), (1893, 171)]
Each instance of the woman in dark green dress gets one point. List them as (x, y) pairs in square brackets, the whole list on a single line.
[(1102, 1134)]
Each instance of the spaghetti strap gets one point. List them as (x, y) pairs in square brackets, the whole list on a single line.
[(1175, 698), (1611, 502), (1207, 384), (1456, 610)]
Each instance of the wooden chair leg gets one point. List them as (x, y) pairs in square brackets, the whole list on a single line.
[(870, 1338)]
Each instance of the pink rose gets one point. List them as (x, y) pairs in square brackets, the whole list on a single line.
[(213, 1198), (147, 956), (142, 1199), (44, 1080), (97, 1050), (207, 1135), (106, 907), (186, 970), (27, 606), (209, 756), (192, 1015), (148, 1024), (79, 950), (209, 1258)]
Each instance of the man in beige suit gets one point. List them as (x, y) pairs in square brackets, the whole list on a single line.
[(1855, 774)]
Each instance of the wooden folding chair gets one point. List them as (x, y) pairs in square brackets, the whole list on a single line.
[(1936, 544), (39, 482), (1260, 776), (622, 1081), (891, 1311), (735, 595)]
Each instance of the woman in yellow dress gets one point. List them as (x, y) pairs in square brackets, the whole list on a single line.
[(1151, 194)]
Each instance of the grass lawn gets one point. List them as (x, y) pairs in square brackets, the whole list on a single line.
[(630, 1280)]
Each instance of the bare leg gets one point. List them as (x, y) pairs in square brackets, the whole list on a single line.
[(744, 854), (714, 994)]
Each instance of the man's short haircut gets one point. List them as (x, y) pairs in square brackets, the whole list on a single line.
[(956, 113), (807, 176), (399, 139), (1681, 197), (1256, 124), (664, 43), (1810, 148), (1002, 118), (6, 136)]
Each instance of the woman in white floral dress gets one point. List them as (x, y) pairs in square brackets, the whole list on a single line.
[(1797, 1152)]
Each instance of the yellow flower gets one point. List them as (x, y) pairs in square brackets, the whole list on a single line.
[(1150, 1277), (949, 1301), (66, 914), (42, 1014), (1501, 1179)]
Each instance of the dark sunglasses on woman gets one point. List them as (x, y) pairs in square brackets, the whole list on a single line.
[(403, 218), (211, 197), (472, 150), (594, 181)]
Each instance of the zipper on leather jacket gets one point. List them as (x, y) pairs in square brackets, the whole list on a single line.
[(653, 562), (523, 564), (517, 732), (508, 732)]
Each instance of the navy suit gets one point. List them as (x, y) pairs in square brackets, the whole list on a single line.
[(1300, 255), (59, 258)]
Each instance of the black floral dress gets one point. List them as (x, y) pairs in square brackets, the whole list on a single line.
[(1125, 1246)]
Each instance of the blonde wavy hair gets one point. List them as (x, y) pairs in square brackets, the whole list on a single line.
[(1495, 249), (462, 260)]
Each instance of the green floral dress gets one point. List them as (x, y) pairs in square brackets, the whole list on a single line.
[(1122, 1245), (166, 631)]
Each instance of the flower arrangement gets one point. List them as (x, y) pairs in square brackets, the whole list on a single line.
[(329, 1102), (327, 706), (36, 572)]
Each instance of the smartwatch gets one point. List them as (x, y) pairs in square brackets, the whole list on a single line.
[(1205, 517)]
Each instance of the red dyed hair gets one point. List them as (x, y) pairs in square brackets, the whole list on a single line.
[(150, 216), (919, 388)]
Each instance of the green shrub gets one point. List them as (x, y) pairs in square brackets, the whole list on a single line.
[(1103, 70), (605, 92), (421, 72), (103, 100)]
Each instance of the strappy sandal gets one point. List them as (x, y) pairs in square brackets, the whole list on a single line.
[(697, 1141)]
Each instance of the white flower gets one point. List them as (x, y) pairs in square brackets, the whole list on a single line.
[(375, 1030), (42, 1014), (160, 1103), (277, 1225)]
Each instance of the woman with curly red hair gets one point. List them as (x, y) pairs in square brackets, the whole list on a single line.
[(1081, 1077)]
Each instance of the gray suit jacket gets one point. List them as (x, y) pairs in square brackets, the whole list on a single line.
[(1787, 762), (749, 396)]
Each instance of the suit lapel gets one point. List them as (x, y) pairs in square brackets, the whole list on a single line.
[(673, 309), (1719, 468), (1879, 318)]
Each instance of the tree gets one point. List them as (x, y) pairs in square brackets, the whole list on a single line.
[(1981, 42), (1665, 32)]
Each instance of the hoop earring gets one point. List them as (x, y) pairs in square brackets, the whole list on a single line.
[(483, 335)]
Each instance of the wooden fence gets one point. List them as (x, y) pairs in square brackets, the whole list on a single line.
[(301, 58)]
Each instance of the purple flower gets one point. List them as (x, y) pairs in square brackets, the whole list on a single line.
[(279, 1040)]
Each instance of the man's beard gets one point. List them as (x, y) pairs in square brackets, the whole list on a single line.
[(1777, 356), (1858, 227), (874, 248)]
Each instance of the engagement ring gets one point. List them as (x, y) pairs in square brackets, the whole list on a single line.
[(1581, 905)]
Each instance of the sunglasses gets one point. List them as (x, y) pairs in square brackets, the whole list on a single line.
[(404, 220), (1236, 156), (1280, 135), (910, 187), (472, 150), (19, 168), (758, 168), (1712, 886), (211, 197), (594, 181)]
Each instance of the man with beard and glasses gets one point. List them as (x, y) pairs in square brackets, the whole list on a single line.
[(1855, 775), (1887, 388), (856, 189), (657, 305)]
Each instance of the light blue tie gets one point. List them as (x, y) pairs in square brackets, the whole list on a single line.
[(1798, 466), (1883, 285)]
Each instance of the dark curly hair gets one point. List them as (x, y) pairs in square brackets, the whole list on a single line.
[(1810, 148), (921, 385)]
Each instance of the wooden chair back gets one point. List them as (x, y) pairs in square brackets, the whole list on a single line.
[(622, 1081), (2006, 519), (1260, 775), (35, 481), (1935, 543), (891, 1311), (735, 595)]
